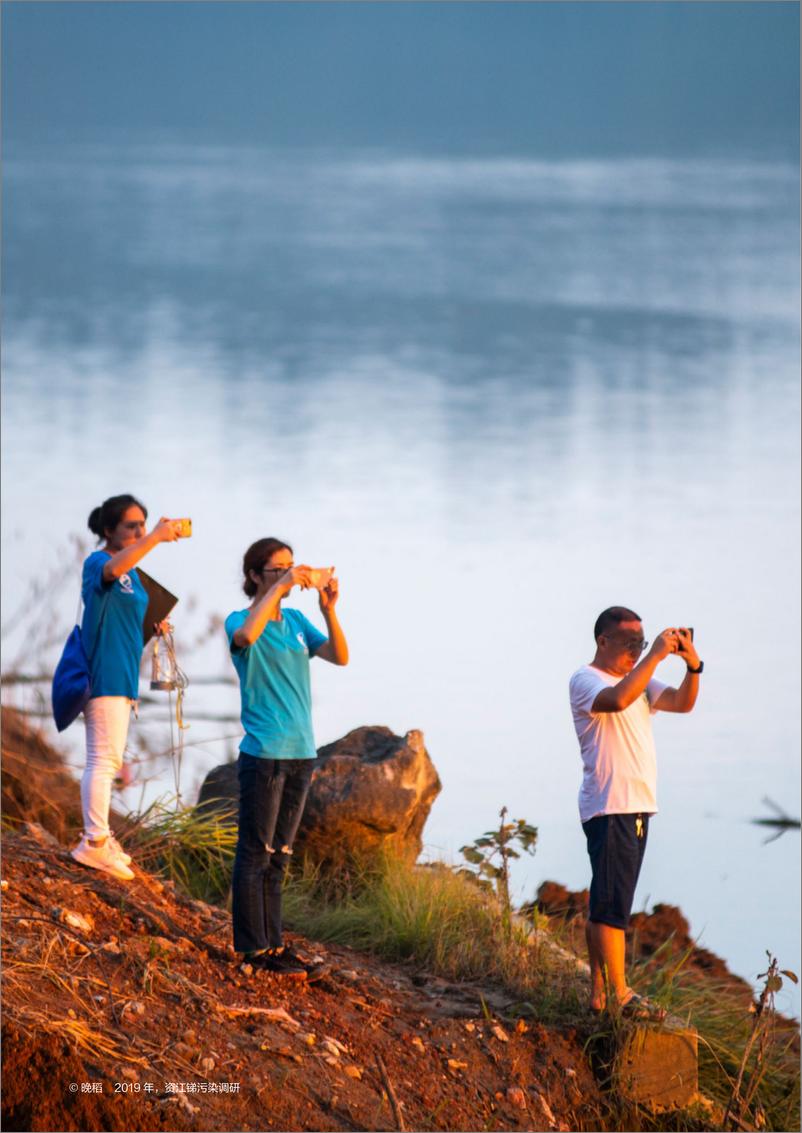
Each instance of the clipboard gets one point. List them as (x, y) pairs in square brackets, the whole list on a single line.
[(160, 603)]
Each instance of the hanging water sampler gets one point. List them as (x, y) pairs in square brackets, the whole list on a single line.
[(163, 673)]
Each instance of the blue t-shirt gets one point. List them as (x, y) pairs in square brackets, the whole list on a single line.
[(114, 613), (274, 685)]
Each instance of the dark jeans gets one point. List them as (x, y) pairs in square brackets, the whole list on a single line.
[(272, 798)]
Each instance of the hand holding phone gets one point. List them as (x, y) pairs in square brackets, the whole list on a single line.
[(320, 577), (684, 633)]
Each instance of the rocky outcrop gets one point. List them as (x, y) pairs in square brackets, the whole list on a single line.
[(557, 901), (371, 793)]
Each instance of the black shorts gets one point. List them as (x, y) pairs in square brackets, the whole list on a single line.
[(616, 843)]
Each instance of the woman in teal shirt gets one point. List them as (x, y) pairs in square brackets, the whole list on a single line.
[(270, 648)]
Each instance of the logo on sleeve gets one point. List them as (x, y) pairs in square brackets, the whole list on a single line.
[(126, 584)]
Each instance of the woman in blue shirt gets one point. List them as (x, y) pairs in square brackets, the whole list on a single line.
[(115, 602), (270, 648)]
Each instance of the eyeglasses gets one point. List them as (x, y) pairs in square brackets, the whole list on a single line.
[(277, 570), (630, 644)]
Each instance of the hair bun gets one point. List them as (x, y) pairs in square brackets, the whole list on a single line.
[(94, 522)]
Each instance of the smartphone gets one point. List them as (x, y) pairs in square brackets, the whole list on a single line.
[(320, 577), (183, 528)]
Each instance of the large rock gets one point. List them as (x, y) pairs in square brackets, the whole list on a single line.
[(371, 793)]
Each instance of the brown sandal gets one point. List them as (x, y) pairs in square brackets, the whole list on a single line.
[(642, 1010)]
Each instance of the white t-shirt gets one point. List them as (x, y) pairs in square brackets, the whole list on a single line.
[(618, 754)]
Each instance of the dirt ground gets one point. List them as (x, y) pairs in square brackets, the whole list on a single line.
[(126, 1009)]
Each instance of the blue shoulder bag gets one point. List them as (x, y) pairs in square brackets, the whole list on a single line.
[(72, 681)]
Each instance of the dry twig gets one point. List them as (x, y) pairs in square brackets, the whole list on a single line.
[(388, 1086)]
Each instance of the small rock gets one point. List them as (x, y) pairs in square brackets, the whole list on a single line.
[(348, 974), (308, 1039), (246, 969), (190, 1036), (74, 920), (42, 836), (3, 884), (207, 1065), (186, 1104), (547, 1110), (470, 1027), (353, 1072), (417, 1042), (455, 1065), (71, 1013), (331, 1047), (112, 947), (499, 1033), (516, 1097), (182, 1049), (331, 1060), (522, 1028), (129, 1073)]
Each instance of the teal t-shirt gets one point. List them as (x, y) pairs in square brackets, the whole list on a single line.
[(274, 686), (114, 613)]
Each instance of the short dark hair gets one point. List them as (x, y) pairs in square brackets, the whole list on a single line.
[(256, 558), (613, 616), (108, 515)]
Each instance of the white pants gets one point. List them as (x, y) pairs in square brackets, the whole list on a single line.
[(107, 719)]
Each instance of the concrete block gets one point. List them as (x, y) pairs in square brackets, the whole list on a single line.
[(656, 1064)]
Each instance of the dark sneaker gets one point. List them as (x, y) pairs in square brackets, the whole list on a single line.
[(315, 969), (279, 961)]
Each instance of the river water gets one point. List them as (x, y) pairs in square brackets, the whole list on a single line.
[(499, 395)]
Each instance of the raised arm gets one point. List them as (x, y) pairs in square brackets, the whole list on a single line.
[(124, 560), (265, 609), (618, 697), (682, 699), (336, 648)]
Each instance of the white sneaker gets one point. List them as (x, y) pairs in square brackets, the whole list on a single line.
[(120, 851), (103, 857)]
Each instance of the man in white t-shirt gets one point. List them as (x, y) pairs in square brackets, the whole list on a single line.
[(612, 701)]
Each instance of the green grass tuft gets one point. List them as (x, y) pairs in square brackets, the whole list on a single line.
[(194, 849)]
